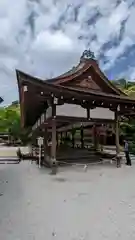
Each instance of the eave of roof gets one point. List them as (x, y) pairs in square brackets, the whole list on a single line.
[(60, 89)]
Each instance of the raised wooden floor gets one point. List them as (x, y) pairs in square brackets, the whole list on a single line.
[(69, 155), (76, 155)]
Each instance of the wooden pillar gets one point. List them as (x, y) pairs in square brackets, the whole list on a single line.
[(117, 133), (54, 140), (61, 136), (53, 146), (88, 113), (57, 139), (102, 136), (105, 137), (82, 137), (45, 143), (73, 139), (95, 144)]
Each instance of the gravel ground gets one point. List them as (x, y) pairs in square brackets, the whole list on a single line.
[(74, 204)]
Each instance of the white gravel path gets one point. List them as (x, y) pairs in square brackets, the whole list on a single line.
[(93, 205)]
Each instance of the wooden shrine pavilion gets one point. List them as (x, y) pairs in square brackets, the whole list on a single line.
[(81, 98)]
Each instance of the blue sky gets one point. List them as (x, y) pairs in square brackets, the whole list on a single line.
[(46, 38)]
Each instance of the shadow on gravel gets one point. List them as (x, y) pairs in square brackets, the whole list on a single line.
[(60, 179)]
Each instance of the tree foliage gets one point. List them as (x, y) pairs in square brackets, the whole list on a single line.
[(127, 128), (10, 123), (126, 86)]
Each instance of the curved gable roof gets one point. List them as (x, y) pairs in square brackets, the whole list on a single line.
[(79, 70), (32, 103)]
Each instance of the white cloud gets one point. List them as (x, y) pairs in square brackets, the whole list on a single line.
[(119, 14), (130, 71), (129, 30), (132, 76), (53, 41), (104, 6), (114, 53), (129, 35), (47, 37), (109, 26)]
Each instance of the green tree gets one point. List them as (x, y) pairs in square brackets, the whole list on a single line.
[(127, 87), (127, 128), (10, 123)]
